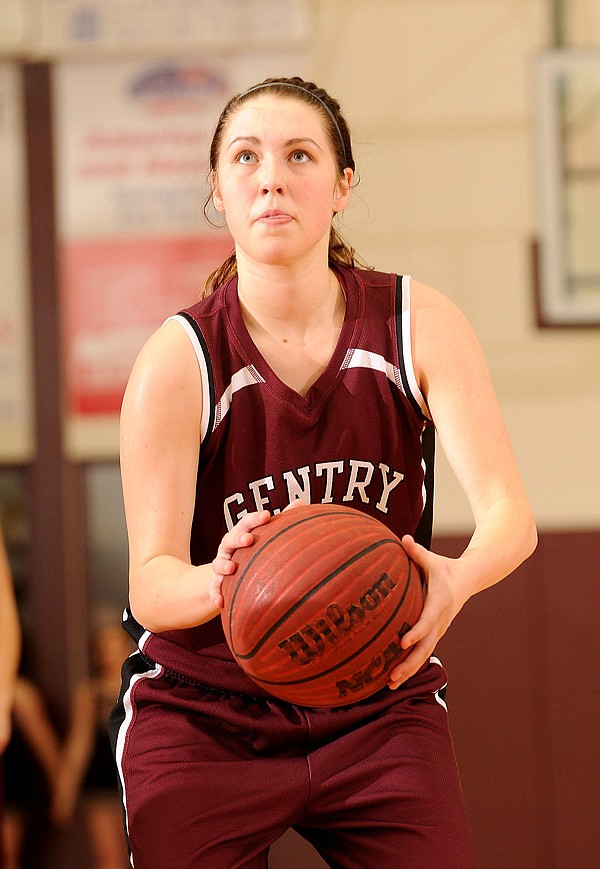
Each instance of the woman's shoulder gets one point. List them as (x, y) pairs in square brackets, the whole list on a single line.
[(441, 333), (368, 277), (430, 306), (165, 349), (421, 294), (423, 297), (166, 369)]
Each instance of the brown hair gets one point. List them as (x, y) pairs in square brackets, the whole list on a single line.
[(335, 124)]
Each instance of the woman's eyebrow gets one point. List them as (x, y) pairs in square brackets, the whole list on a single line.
[(254, 140), (298, 140)]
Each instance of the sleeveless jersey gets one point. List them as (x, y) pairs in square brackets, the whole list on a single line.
[(360, 437)]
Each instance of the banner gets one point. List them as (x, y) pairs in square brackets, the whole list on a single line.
[(69, 25), (132, 140)]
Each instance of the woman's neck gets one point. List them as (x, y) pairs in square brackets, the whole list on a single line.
[(294, 320), (300, 294)]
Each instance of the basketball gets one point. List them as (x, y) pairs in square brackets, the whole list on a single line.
[(317, 606)]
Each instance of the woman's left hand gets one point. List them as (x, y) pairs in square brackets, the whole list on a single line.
[(223, 565), (442, 603)]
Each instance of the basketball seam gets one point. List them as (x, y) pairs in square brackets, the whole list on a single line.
[(347, 660), (309, 594), (313, 517)]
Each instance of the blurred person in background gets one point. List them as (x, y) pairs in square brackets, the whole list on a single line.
[(10, 645), (28, 742), (10, 652), (87, 774), (30, 766)]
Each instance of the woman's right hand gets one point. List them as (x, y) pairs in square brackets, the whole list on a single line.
[(240, 536)]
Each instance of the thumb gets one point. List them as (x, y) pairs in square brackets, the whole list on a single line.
[(419, 554)]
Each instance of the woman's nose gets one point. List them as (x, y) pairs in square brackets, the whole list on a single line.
[(271, 187), (271, 177)]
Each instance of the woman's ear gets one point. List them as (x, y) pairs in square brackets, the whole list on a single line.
[(216, 195), (343, 190)]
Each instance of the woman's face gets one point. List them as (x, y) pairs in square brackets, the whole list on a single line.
[(277, 182)]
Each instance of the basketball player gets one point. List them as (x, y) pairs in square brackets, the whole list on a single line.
[(299, 375)]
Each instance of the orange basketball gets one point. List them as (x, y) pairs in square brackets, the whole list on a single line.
[(319, 603)]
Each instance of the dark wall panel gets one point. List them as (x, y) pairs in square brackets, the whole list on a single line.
[(492, 719), (523, 658), (570, 564)]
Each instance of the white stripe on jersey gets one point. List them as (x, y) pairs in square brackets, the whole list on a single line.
[(355, 358), (203, 371), (248, 376), (124, 728), (245, 377), (435, 660), (407, 348), (374, 361)]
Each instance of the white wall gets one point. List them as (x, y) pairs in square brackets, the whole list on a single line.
[(440, 99)]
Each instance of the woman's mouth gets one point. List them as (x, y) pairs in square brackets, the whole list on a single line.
[(274, 217)]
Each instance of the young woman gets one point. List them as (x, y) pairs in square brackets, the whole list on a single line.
[(298, 375)]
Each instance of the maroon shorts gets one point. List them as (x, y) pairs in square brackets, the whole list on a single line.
[(213, 779)]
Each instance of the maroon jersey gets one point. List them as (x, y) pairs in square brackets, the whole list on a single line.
[(359, 437)]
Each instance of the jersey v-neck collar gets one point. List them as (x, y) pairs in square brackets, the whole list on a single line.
[(354, 292)]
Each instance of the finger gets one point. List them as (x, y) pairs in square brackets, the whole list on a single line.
[(223, 565), (217, 599), (235, 538), (215, 591), (297, 502), (253, 520), (238, 538), (409, 666), (417, 633), (415, 551)]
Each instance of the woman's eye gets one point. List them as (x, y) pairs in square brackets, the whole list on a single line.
[(245, 157), (300, 157)]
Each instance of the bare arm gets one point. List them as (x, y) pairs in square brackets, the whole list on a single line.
[(10, 646), (76, 753), (32, 718), (160, 443), (455, 381)]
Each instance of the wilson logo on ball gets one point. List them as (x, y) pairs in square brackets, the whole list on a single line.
[(311, 641), (301, 620)]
